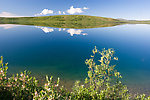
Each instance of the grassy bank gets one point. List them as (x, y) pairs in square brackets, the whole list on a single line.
[(69, 21), (64, 21), (102, 83)]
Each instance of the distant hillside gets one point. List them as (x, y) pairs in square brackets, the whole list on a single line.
[(138, 22), (64, 21)]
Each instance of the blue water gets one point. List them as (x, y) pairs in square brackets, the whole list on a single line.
[(62, 52)]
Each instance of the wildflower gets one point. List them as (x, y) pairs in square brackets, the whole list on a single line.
[(21, 74), (48, 89), (36, 94), (56, 85), (1, 71), (15, 79), (8, 85), (23, 86), (46, 84)]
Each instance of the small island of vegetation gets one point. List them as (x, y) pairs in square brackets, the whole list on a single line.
[(69, 21), (63, 21)]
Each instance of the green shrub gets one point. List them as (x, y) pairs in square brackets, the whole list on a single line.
[(103, 82)]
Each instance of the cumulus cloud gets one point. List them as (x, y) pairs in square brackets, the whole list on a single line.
[(73, 10), (45, 12), (64, 13), (8, 14), (59, 12), (85, 8)]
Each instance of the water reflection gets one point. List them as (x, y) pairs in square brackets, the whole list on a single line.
[(64, 57), (7, 26), (45, 29), (72, 32), (76, 31)]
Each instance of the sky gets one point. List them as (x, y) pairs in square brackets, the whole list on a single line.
[(125, 9)]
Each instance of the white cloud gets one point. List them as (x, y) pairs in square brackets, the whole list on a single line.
[(59, 12), (85, 8), (36, 14), (8, 14), (64, 13), (73, 10), (45, 12)]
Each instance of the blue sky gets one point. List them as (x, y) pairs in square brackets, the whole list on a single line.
[(127, 9)]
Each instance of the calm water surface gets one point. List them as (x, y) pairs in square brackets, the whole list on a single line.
[(61, 52)]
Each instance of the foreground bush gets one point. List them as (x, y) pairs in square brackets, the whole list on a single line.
[(103, 82)]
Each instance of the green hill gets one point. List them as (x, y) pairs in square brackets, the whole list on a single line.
[(64, 21)]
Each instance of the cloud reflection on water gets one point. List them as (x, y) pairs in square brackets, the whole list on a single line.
[(45, 29), (72, 32), (76, 31), (7, 26)]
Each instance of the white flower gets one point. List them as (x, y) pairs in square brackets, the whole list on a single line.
[(21, 75)]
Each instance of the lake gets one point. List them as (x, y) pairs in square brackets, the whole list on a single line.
[(61, 52)]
